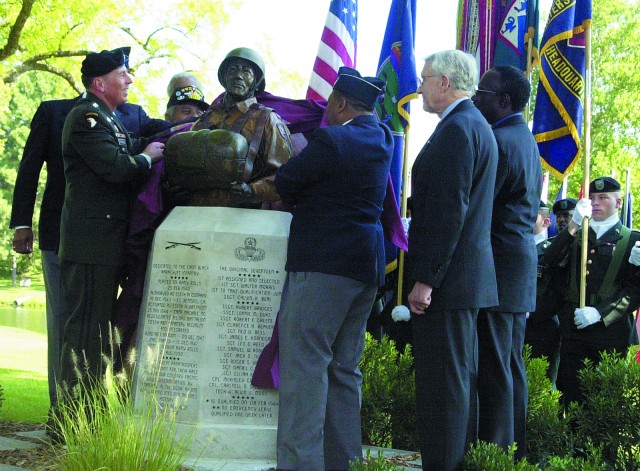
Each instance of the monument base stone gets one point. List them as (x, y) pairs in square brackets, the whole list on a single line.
[(212, 292)]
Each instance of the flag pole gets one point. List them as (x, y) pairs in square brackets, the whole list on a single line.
[(403, 208), (586, 163), (529, 71), (625, 207)]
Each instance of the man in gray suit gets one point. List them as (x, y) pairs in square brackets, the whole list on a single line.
[(450, 265), (503, 93)]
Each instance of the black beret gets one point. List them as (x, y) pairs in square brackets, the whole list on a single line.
[(188, 94), (543, 205), (97, 64), (365, 89), (567, 204), (604, 185)]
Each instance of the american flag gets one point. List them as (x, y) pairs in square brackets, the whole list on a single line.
[(337, 48)]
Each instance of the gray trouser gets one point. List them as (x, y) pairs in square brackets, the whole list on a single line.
[(57, 316), (322, 325)]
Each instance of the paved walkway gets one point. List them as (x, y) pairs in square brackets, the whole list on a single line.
[(37, 437)]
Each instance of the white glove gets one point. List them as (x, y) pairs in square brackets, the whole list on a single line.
[(634, 258), (582, 210), (405, 224), (584, 317), (400, 313)]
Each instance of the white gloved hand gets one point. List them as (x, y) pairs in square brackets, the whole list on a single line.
[(582, 210), (405, 224), (400, 313), (634, 258), (584, 317)]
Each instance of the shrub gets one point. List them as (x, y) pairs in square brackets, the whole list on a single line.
[(484, 456), (592, 462), (610, 413), (548, 431), (1, 396), (373, 464), (388, 395)]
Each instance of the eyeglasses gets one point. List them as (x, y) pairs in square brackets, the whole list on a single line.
[(480, 90), (422, 79)]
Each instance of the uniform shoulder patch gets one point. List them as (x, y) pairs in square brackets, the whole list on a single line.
[(283, 131), (91, 118)]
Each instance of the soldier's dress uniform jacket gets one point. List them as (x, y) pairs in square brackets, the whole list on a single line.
[(614, 293), (269, 147), (101, 170), (100, 173)]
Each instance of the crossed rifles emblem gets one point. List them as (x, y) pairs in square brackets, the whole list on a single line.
[(191, 245)]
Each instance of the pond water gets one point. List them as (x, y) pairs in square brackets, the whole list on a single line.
[(34, 320)]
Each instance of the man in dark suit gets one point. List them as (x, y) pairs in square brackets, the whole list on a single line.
[(450, 262), (502, 94), (101, 164), (335, 264), (44, 146)]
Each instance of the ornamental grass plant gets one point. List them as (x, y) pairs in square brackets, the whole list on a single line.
[(103, 430)]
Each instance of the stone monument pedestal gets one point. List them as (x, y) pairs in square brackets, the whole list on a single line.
[(212, 292)]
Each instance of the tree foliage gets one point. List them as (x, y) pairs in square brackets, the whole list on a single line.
[(615, 93), (43, 42)]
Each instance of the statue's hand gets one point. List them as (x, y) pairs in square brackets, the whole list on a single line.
[(242, 192)]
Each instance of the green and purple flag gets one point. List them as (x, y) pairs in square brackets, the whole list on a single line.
[(397, 68)]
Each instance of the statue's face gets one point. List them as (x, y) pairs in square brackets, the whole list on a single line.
[(240, 79)]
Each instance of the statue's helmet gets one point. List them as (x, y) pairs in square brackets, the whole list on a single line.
[(249, 55)]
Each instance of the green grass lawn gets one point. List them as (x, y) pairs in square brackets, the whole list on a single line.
[(23, 376), (32, 296)]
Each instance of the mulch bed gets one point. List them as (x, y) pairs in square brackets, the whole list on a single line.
[(40, 458)]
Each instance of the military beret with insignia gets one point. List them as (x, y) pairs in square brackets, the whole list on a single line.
[(604, 185), (364, 89), (96, 64), (567, 204), (189, 94)]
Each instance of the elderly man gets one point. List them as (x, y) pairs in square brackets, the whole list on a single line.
[(185, 103), (101, 165), (335, 264), (606, 322), (450, 261), (242, 74)]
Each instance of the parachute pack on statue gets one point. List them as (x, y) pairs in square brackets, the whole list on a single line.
[(206, 159)]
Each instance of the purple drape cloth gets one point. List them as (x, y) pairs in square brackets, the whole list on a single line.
[(146, 213)]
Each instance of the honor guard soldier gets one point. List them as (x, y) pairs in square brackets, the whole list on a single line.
[(605, 323)]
